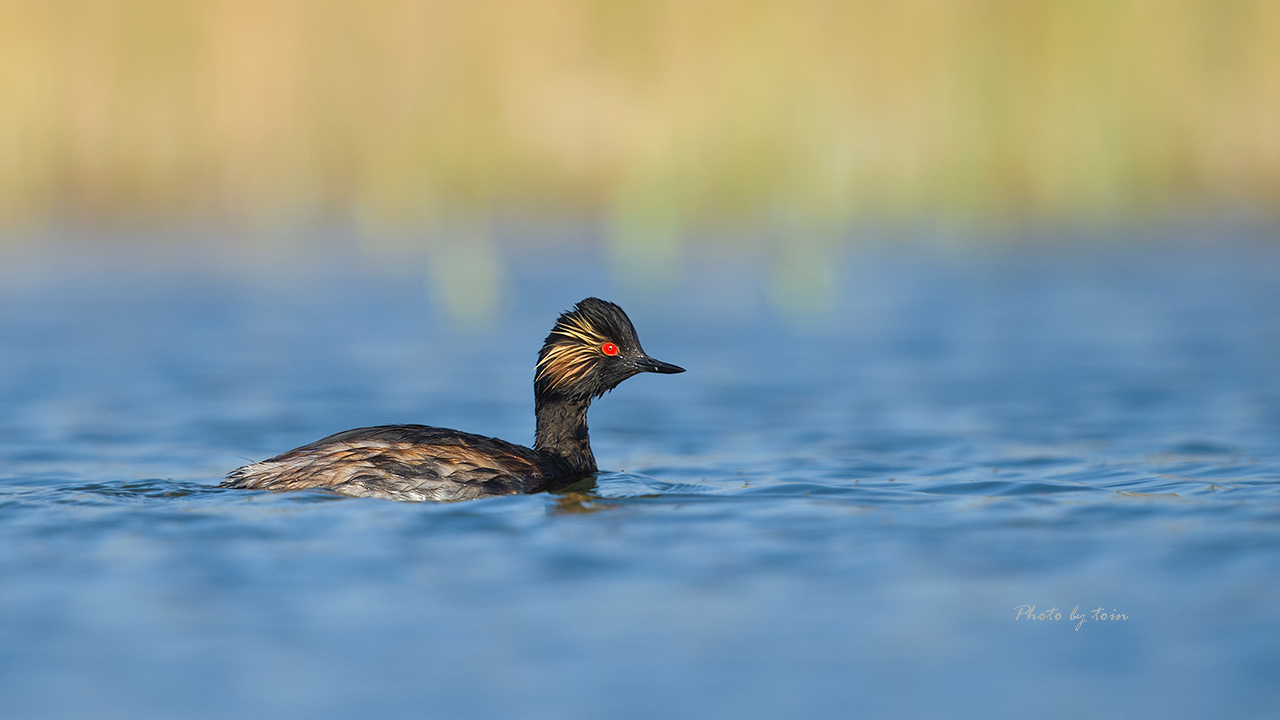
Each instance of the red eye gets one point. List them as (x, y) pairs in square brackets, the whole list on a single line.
[(609, 349)]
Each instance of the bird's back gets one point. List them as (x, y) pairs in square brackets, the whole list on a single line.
[(401, 462)]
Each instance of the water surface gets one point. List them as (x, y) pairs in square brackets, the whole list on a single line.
[(826, 516)]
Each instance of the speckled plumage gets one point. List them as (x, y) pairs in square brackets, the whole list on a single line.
[(402, 462), (417, 462)]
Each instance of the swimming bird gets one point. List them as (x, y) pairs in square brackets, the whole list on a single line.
[(591, 349)]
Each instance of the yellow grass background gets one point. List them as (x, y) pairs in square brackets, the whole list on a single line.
[(652, 113)]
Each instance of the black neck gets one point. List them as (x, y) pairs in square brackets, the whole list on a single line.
[(562, 433)]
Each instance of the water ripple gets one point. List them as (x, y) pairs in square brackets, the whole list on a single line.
[(806, 523)]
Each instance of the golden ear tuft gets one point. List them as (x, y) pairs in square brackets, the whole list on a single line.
[(574, 346), (564, 364)]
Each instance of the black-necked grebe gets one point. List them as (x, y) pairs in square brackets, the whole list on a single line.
[(590, 350)]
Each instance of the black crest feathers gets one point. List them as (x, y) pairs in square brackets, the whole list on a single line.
[(572, 362)]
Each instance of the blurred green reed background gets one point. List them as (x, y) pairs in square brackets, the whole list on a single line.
[(420, 120)]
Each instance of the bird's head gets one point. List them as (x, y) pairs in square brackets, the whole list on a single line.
[(591, 349)]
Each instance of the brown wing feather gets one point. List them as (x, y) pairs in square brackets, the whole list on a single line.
[(400, 462)]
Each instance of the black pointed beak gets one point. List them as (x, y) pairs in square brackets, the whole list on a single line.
[(645, 363)]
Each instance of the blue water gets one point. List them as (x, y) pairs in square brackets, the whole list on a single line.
[(828, 515)]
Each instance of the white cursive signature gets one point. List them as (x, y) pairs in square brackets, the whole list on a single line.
[(1028, 612)]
